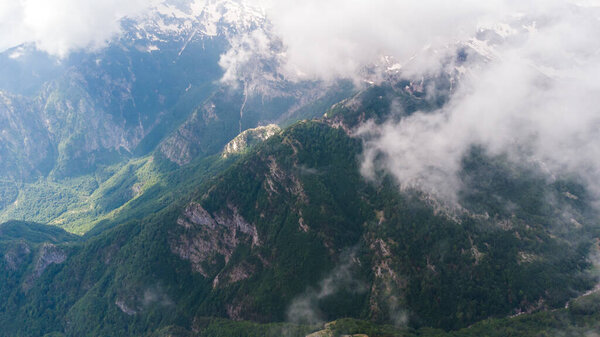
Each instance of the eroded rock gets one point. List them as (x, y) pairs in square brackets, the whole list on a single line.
[(249, 138), (205, 236), (124, 308), (48, 254), (16, 256)]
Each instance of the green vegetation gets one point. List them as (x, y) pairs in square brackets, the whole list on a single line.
[(77, 204), (562, 322), (41, 201), (388, 100), (33, 233), (287, 234), (393, 257), (8, 193)]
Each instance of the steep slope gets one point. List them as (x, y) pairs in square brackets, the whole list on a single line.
[(292, 232), (200, 218), (246, 140), (155, 90), (28, 251), (26, 149), (444, 269)]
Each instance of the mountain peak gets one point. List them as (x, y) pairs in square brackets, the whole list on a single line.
[(249, 138)]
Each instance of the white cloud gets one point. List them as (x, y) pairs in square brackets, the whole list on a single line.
[(539, 92), (304, 308), (249, 58), (538, 100), (61, 26), (328, 39)]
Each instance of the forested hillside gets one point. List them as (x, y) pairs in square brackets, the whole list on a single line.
[(291, 232), (207, 168)]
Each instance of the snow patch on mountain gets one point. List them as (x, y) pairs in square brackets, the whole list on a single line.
[(200, 19)]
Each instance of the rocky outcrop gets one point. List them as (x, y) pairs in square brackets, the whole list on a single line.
[(205, 131), (279, 181), (48, 254), (25, 146), (196, 215), (249, 138), (387, 290), (203, 237), (125, 308), (237, 273), (186, 143), (16, 255)]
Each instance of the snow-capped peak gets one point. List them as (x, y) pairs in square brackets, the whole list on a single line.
[(202, 18)]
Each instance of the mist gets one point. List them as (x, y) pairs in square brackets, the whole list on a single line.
[(536, 101), (59, 27), (337, 39), (528, 89), (304, 309)]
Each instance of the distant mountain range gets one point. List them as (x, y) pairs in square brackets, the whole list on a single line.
[(143, 194)]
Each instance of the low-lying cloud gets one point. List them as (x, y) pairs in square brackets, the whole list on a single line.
[(252, 60), (304, 309), (535, 96), (338, 38), (537, 100), (531, 94)]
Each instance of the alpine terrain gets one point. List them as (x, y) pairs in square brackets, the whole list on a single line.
[(253, 168)]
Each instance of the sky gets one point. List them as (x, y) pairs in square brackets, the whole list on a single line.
[(535, 98)]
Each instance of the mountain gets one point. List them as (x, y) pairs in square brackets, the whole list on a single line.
[(291, 232), (143, 193), (156, 90)]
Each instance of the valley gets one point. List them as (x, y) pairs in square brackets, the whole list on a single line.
[(178, 181)]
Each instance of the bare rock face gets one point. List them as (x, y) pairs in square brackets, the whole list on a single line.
[(25, 145), (196, 215), (387, 291), (16, 256), (249, 138), (235, 274), (184, 145), (192, 138), (124, 308), (279, 181), (48, 254), (204, 237)]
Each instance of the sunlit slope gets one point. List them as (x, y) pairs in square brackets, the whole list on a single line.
[(266, 238)]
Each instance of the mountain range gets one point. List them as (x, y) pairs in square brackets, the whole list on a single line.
[(144, 193)]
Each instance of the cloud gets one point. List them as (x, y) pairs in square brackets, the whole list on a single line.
[(252, 59), (304, 309), (338, 38), (537, 100), (332, 39), (61, 26)]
